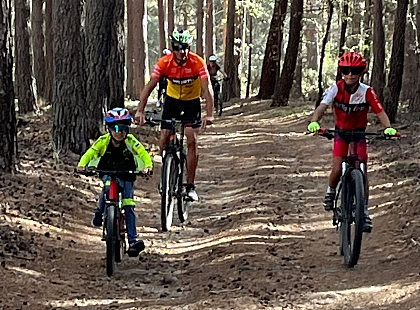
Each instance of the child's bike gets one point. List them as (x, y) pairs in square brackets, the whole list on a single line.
[(114, 225), (348, 215), (174, 167)]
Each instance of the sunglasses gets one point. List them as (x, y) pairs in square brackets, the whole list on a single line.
[(120, 128), (353, 70), (177, 47)]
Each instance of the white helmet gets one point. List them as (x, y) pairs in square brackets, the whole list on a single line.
[(166, 52), (212, 58)]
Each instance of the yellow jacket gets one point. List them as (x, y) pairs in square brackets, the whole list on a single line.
[(93, 155)]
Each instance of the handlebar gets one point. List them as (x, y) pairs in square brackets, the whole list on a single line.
[(116, 173), (330, 133), (154, 121)]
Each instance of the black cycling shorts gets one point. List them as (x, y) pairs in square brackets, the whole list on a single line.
[(173, 108)]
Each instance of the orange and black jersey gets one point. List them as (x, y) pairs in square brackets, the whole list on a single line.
[(184, 81)]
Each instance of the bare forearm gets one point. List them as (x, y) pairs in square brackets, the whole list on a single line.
[(383, 117), (208, 95), (144, 96), (319, 112)]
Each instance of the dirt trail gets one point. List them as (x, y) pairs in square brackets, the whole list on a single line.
[(259, 239)]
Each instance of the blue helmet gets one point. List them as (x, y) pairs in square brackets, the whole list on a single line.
[(118, 115)]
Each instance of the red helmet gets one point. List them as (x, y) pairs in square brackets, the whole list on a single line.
[(352, 59)]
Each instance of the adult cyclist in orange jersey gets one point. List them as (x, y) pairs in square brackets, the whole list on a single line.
[(188, 78)]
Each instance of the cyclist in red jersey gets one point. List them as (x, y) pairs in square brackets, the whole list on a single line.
[(351, 101), (188, 80)]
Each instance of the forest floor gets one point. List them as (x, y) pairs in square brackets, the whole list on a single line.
[(259, 239)]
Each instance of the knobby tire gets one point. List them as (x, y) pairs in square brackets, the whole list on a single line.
[(169, 175), (183, 205), (110, 240), (353, 194)]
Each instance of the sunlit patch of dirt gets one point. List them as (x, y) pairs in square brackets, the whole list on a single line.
[(259, 239)]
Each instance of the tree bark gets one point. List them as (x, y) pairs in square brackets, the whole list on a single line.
[(171, 18), (161, 21), (97, 53), (229, 87), (131, 36), (8, 140), (209, 29), (367, 37), (116, 60), (285, 82), (378, 71), (200, 26), (344, 17), (393, 89), (23, 71), (37, 20), (271, 62), (414, 106), (49, 53), (410, 63), (69, 132), (140, 28), (249, 71), (323, 47)]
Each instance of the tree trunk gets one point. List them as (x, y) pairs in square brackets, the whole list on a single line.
[(414, 106), (296, 91), (354, 39), (131, 36), (229, 87), (69, 132), (116, 60), (410, 71), (49, 53), (171, 17), (209, 29), (8, 140), (200, 26), (393, 89), (285, 82), (271, 62), (311, 44), (37, 20), (98, 25), (161, 21), (344, 17), (249, 71), (367, 37), (140, 28), (322, 56), (378, 71), (23, 71)]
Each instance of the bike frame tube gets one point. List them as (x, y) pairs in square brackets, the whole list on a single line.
[(113, 190)]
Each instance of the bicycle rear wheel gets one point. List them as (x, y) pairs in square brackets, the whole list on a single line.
[(110, 240), (353, 218), (169, 182), (183, 204)]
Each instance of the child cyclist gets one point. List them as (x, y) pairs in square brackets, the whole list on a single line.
[(118, 150), (351, 101)]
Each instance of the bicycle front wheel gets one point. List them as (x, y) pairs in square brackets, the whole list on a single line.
[(110, 239), (353, 218), (183, 204), (169, 186)]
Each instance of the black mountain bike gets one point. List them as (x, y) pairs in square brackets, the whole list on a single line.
[(218, 103), (348, 216), (114, 225), (174, 170)]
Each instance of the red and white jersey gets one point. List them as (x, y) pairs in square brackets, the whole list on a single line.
[(351, 109)]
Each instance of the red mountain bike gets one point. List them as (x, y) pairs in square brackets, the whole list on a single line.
[(349, 214), (114, 224)]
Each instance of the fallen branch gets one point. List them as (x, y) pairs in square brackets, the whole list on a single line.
[(225, 291)]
